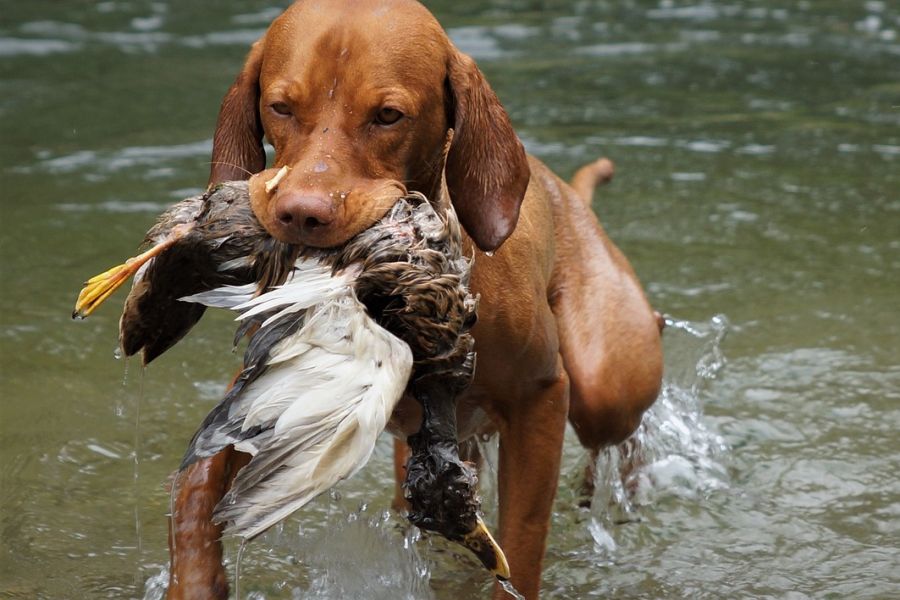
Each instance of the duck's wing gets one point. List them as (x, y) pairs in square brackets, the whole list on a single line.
[(327, 430), (153, 320), (224, 425), (321, 381), (312, 417), (207, 242), (281, 313)]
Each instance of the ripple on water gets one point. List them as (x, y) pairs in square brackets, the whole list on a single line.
[(478, 41), (261, 17), (154, 161), (10, 46), (114, 206)]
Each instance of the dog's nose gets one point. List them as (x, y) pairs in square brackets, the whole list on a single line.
[(304, 212)]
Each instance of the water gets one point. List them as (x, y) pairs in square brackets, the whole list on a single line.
[(510, 590), (757, 147)]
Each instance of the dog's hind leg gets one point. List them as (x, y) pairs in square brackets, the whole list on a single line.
[(609, 336), (586, 180)]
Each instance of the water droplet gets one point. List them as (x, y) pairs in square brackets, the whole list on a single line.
[(237, 567), (509, 589), (117, 353), (320, 167), (489, 253)]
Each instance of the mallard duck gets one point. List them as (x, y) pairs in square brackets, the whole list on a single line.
[(324, 368), (407, 271)]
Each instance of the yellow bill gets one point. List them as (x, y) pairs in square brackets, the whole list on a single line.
[(482, 544)]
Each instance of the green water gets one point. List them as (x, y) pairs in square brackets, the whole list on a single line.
[(757, 146)]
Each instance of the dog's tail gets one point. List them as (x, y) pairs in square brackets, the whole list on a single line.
[(590, 176)]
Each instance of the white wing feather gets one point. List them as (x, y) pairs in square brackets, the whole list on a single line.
[(326, 394)]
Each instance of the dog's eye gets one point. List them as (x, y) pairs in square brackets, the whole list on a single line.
[(281, 108), (388, 116)]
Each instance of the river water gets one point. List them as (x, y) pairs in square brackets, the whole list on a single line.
[(757, 194)]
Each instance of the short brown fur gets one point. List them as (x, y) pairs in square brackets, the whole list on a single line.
[(564, 329)]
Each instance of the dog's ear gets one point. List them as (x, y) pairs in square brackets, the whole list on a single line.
[(487, 170), (237, 144)]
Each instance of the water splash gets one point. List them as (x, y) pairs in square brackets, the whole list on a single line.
[(237, 568), (356, 553), (173, 524), (138, 529), (156, 585), (673, 451), (126, 364), (384, 566), (509, 589)]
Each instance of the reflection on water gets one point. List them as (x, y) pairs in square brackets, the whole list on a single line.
[(757, 146)]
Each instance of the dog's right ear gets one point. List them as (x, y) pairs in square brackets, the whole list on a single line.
[(487, 168), (237, 144)]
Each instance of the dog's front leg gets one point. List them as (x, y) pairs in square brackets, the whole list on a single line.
[(195, 546), (531, 440)]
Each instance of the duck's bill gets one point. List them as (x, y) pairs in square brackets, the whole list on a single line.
[(482, 544), (100, 287)]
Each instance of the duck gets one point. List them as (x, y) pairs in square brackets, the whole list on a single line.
[(337, 336)]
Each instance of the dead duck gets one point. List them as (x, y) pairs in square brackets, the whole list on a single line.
[(419, 292), (306, 423)]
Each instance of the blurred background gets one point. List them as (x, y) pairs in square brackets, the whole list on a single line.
[(757, 195)]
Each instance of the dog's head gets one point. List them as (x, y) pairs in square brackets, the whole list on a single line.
[(357, 99)]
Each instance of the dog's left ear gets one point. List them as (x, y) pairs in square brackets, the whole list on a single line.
[(237, 144), (487, 170)]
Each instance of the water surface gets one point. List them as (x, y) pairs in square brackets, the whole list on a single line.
[(757, 148)]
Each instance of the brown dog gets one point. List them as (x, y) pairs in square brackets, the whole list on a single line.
[(358, 98)]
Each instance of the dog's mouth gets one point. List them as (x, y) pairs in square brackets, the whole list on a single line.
[(319, 219)]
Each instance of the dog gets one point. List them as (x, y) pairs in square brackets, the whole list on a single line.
[(359, 99)]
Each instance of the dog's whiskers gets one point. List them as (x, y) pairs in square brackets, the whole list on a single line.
[(230, 164)]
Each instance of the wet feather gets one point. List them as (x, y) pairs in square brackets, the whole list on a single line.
[(322, 378)]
